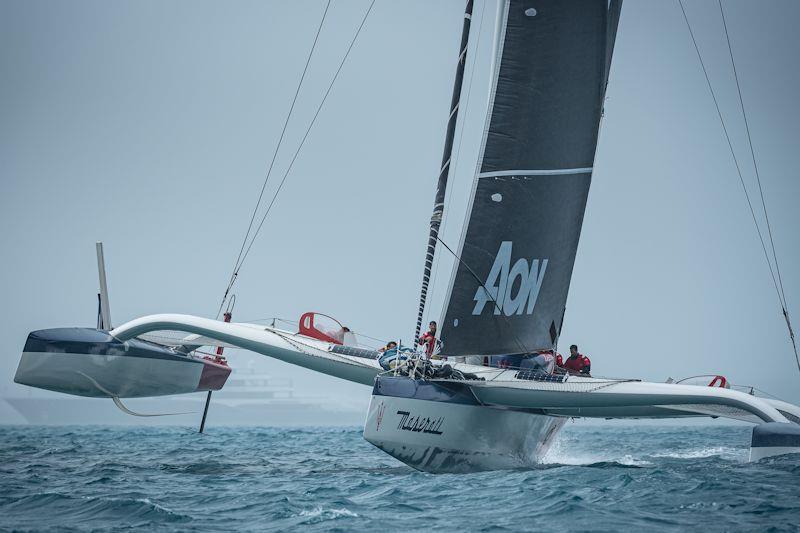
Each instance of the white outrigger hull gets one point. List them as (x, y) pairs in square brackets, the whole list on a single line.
[(93, 363)]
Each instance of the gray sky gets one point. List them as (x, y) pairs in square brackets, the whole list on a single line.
[(149, 125)]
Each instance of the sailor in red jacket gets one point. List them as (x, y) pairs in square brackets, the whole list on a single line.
[(429, 339), (577, 363)]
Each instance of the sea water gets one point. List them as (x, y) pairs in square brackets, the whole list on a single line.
[(600, 477)]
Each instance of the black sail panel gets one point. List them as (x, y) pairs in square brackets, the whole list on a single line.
[(509, 290)]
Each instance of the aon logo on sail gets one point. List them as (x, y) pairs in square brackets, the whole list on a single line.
[(502, 278)]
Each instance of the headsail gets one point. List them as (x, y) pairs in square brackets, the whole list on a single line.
[(509, 291)]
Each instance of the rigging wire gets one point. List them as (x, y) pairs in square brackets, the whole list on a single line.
[(502, 314), (295, 323), (232, 279), (457, 158), (752, 154), (733, 153), (784, 305), (778, 286), (308, 130), (240, 263)]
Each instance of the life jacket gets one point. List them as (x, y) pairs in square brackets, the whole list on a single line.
[(429, 340), (393, 357), (580, 363)]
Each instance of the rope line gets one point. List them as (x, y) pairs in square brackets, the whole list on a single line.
[(232, 279), (520, 344), (782, 293), (753, 155), (296, 323), (308, 130), (733, 154), (775, 280), (235, 275), (325, 353)]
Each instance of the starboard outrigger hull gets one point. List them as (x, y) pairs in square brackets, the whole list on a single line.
[(774, 438)]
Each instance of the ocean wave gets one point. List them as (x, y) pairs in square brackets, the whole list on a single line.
[(210, 467), (560, 455), (320, 514), (322, 480), (83, 508), (623, 462), (724, 452)]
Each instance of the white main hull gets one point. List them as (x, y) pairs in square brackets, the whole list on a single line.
[(450, 433)]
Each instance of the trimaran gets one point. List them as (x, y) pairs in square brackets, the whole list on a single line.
[(506, 298)]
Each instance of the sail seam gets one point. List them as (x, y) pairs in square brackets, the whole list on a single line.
[(542, 172)]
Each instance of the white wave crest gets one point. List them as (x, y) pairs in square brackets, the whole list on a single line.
[(724, 452), (327, 514), (562, 454)]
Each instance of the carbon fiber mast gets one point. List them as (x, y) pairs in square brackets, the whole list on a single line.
[(441, 187)]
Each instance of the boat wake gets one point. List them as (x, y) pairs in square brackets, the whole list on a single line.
[(626, 461), (723, 452), (602, 451), (564, 453)]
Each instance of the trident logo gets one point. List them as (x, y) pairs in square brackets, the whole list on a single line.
[(381, 409)]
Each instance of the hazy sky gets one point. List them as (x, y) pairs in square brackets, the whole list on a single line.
[(149, 125)]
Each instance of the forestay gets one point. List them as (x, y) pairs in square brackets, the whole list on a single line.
[(509, 290)]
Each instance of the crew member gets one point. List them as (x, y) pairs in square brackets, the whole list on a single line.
[(577, 363), (389, 346), (348, 337), (429, 339), (541, 362)]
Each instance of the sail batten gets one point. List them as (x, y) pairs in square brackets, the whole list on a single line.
[(550, 71), (540, 172)]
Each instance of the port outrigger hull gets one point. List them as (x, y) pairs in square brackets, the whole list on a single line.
[(91, 362)]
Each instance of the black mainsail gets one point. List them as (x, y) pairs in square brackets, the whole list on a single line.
[(509, 290)]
